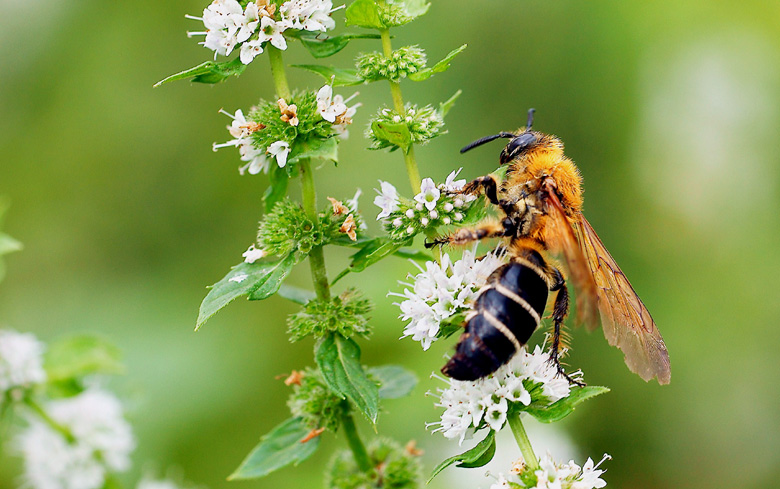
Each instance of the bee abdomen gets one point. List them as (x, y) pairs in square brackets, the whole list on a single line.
[(506, 314)]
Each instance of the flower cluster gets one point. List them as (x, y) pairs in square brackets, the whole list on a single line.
[(21, 361), (394, 13), (424, 124), (345, 314), (528, 378), (401, 63), (442, 291), (313, 400), (434, 206), (553, 475), (99, 441), (393, 467), (274, 130), (228, 25)]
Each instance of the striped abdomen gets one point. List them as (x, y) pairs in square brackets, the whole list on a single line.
[(504, 317)]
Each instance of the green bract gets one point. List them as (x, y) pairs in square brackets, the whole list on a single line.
[(315, 403), (391, 129), (392, 468), (412, 217), (401, 63), (345, 314)]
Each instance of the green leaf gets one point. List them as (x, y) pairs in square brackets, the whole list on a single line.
[(296, 295), (271, 285), (445, 107), (327, 149), (339, 361), (413, 254), (321, 45), (439, 67), (396, 133), (279, 448), (364, 13), (416, 8), (208, 72), (394, 381), (79, 356), (341, 77), (277, 187), (245, 279), (564, 407), (371, 252), (478, 456)]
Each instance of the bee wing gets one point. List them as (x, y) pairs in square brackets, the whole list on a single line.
[(561, 241), (626, 321)]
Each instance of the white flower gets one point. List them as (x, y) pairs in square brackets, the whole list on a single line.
[(241, 129), (102, 442), (387, 200), (249, 22), (21, 360), (329, 108), (223, 20), (501, 483), (250, 50), (442, 290), (452, 185), (253, 254), (256, 157), (271, 31), (553, 475), (590, 478), (279, 149), (310, 15), (429, 194)]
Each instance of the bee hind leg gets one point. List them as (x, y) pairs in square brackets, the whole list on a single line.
[(560, 311), (464, 236)]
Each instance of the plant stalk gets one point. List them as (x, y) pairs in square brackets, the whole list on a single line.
[(398, 102), (355, 443), (38, 410), (319, 273), (278, 72), (523, 442)]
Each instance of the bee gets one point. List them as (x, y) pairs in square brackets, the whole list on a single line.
[(540, 220)]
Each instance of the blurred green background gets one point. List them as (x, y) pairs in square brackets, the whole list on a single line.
[(671, 109)]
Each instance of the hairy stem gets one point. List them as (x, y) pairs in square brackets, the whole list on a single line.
[(355, 443), (41, 413), (278, 72), (319, 273), (523, 442), (398, 103)]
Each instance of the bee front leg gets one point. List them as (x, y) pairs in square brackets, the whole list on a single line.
[(488, 229), (560, 311), (487, 185)]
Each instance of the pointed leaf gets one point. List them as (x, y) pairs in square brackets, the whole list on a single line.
[(445, 107), (321, 45), (327, 149), (244, 279), (394, 381), (208, 72), (396, 134), (564, 407), (79, 356), (364, 13), (277, 187), (296, 295), (442, 65), (339, 361), (279, 448), (341, 77), (478, 456)]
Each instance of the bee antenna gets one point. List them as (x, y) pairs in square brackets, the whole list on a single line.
[(530, 119), (486, 139)]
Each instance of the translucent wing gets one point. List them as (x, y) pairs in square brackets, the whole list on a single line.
[(626, 321), (561, 241)]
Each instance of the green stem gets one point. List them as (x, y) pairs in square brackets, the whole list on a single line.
[(398, 103), (523, 442), (355, 443), (37, 409), (319, 273), (278, 72)]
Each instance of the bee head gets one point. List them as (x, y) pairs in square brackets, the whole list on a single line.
[(519, 142)]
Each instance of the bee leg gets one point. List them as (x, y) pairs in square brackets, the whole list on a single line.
[(489, 229), (560, 311), (487, 185)]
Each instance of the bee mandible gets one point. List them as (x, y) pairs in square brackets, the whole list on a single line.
[(540, 207)]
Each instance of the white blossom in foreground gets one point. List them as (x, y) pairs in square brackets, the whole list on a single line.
[(552, 475), (241, 130), (442, 290), (21, 361), (280, 150), (102, 442), (526, 378), (387, 200)]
